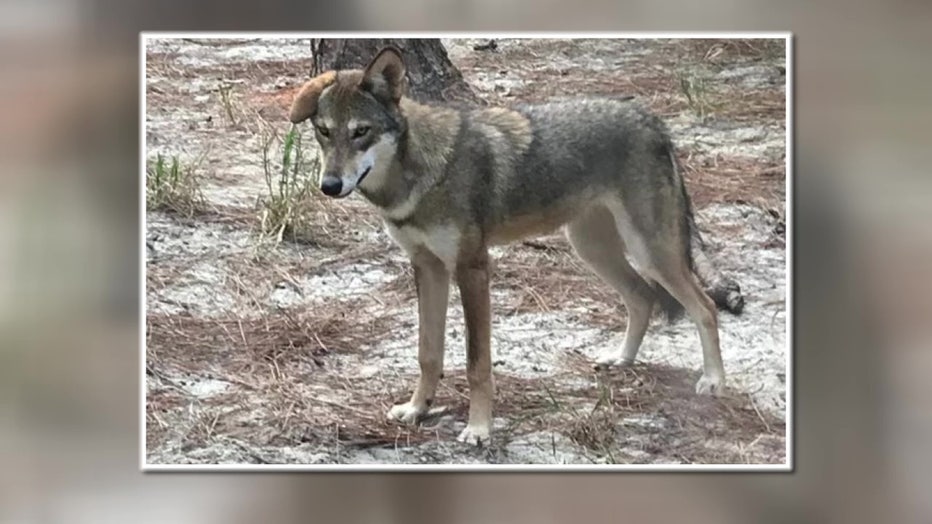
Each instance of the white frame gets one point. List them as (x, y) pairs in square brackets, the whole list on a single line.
[(787, 467)]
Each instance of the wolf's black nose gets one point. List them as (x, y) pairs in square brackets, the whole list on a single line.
[(331, 185)]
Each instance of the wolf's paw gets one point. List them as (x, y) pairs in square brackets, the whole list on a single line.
[(475, 436), (407, 413), (612, 360), (711, 385)]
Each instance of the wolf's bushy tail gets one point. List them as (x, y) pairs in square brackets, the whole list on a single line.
[(723, 290)]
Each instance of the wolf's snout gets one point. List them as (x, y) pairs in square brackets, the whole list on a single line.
[(331, 186)]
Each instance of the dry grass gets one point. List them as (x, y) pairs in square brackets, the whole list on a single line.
[(656, 77), (277, 363), (274, 367), (734, 180), (722, 52), (544, 276)]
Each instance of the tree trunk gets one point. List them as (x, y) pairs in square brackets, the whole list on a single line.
[(431, 75)]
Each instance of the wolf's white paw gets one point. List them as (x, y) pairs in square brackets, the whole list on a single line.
[(475, 436), (711, 385), (612, 360), (407, 413)]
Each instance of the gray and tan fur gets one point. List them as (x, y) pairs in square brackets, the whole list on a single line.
[(450, 183)]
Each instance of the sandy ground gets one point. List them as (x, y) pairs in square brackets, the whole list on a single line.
[(292, 353)]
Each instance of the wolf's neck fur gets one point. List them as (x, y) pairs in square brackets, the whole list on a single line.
[(424, 150)]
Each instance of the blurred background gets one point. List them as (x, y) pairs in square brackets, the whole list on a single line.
[(69, 275)]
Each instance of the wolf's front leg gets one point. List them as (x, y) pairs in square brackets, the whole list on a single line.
[(472, 276), (432, 281)]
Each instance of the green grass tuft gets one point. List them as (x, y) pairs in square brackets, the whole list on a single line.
[(229, 107), (698, 93), (173, 186), (290, 179)]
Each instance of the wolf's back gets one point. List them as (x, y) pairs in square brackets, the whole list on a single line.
[(578, 131)]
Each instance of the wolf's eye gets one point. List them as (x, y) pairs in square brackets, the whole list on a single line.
[(360, 131), (323, 131)]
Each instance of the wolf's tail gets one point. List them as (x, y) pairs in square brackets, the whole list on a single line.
[(723, 290)]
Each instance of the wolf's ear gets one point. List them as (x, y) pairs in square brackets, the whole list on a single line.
[(305, 104), (385, 75)]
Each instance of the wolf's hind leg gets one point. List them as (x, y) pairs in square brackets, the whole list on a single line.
[(673, 273), (594, 236), (655, 240)]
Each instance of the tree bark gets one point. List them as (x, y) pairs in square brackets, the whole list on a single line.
[(431, 75)]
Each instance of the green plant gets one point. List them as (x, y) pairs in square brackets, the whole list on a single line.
[(226, 98), (290, 181), (697, 92), (173, 186)]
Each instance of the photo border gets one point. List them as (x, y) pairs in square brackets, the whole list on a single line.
[(789, 466)]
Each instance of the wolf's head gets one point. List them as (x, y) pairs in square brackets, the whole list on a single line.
[(357, 121)]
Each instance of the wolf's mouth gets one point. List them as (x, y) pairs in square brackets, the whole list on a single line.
[(363, 175)]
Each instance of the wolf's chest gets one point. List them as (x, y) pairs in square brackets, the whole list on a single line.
[(442, 241)]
